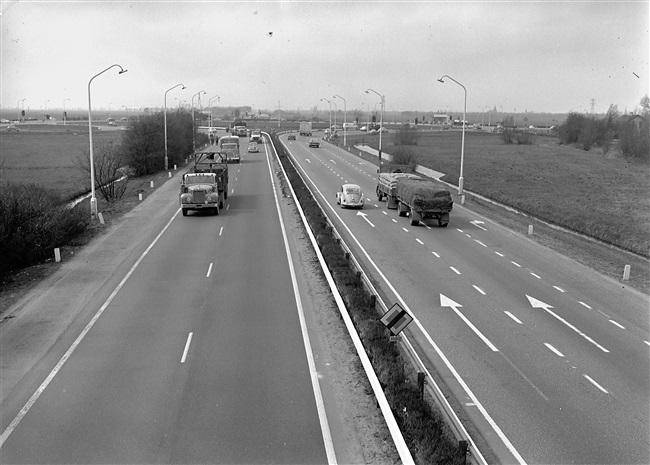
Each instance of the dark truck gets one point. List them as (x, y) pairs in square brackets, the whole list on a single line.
[(423, 199), (207, 187), (387, 182)]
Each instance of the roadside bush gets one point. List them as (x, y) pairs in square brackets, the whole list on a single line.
[(406, 135), (404, 156), (508, 135), (588, 132), (524, 137), (424, 429), (33, 221), (635, 142)]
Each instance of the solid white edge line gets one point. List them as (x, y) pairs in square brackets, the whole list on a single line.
[(428, 337), (320, 404), (12, 426), (187, 347)]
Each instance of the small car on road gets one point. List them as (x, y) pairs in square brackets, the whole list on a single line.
[(292, 137), (12, 128), (314, 143), (349, 195), (252, 147)]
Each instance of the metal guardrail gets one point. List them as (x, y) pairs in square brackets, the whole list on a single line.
[(433, 389), (382, 402)]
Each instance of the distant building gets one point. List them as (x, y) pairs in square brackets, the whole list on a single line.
[(441, 119)]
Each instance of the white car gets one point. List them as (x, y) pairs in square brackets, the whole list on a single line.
[(349, 195), (253, 148)]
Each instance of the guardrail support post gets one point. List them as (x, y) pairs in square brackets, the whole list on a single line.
[(421, 384), (463, 446)]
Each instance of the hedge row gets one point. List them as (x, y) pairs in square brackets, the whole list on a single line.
[(423, 428), (33, 221)]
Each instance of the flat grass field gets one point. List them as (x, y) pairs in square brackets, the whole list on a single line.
[(45, 154), (601, 195)]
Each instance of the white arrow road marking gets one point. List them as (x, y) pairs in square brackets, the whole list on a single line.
[(333, 161), (477, 223), (363, 215), (308, 160), (447, 302), (539, 304)]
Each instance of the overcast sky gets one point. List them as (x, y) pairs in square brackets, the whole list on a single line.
[(520, 55)]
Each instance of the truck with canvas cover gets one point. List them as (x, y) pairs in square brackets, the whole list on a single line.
[(207, 187), (230, 146), (423, 199), (238, 128), (387, 181), (305, 128)]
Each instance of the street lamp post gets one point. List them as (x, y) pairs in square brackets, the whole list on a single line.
[(345, 117), (381, 118), (65, 116), (210, 105), (194, 130), (93, 199), (165, 118), (336, 110), (330, 130), (22, 114), (462, 145)]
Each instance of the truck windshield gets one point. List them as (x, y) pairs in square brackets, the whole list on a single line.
[(200, 179)]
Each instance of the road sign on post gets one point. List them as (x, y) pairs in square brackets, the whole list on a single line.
[(396, 319)]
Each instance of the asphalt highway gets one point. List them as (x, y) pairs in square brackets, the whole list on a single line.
[(196, 353), (547, 357)]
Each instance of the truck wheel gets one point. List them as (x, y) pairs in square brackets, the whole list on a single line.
[(220, 203), (225, 194), (400, 210), (216, 210), (443, 220), (184, 212), (379, 197)]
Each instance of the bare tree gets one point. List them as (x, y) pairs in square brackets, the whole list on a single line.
[(111, 174)]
